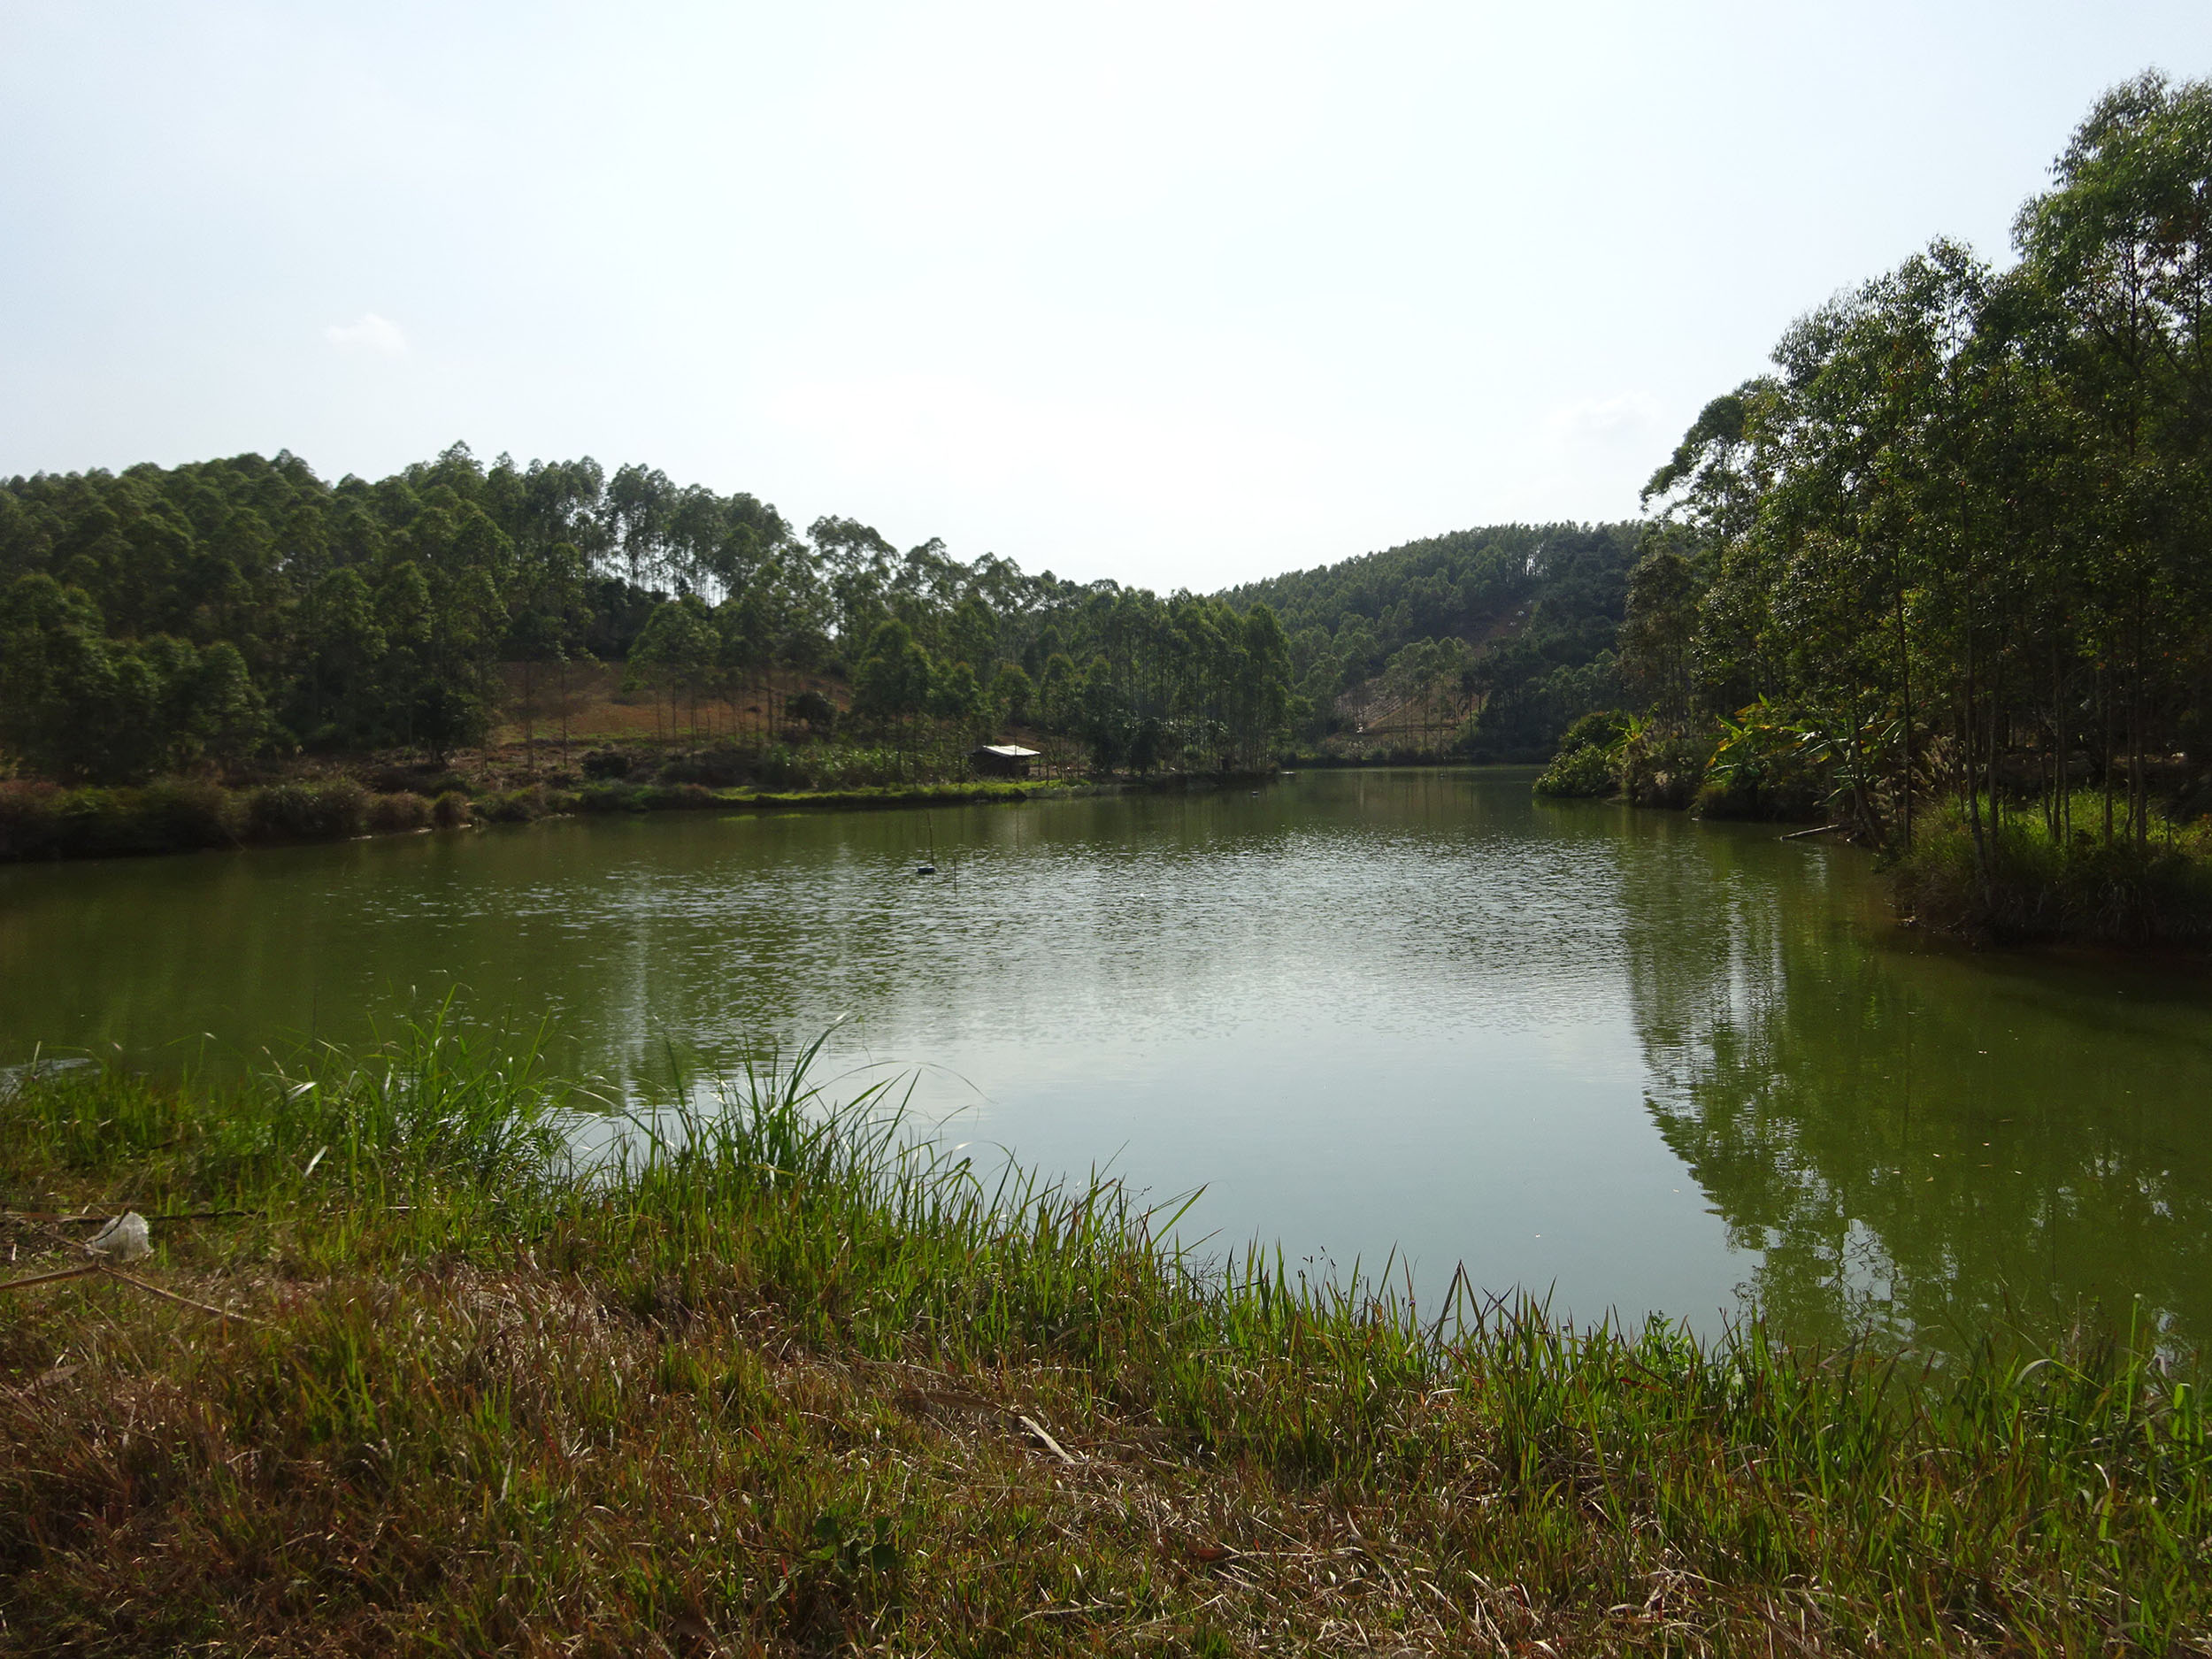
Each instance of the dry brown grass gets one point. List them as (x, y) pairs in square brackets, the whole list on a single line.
[(596, 710), (504, 1461)]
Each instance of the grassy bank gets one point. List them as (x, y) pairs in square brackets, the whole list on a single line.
[(776, 1385), (2017, 882), (43, 821), (2027, 884)]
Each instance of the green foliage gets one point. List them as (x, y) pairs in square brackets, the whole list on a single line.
[(193, 616), (328, 810), (1012, 695), (1503, 623), (161, 619), (520, 806), (1589, 758), (1587, 769), (1949, 559), (1767, 767), (1659, 767), (812, 709), (958, 699), (896, 675), (2027, 885), (40, 820), (397, 813), (77, 703)]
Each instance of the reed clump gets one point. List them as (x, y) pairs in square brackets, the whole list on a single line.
[(761, 1373), (44, 820), (397, 813)]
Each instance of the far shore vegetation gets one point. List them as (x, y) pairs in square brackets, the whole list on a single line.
[(1941, 582), (404, 1372)]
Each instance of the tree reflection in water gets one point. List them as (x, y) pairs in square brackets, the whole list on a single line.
[(1918, 1139)]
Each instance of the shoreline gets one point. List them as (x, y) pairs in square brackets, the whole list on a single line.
[(2006, 882), (45, 823), (396, 1375)]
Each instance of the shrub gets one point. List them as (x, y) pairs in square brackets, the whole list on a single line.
[(1588, 761), (520, 806), (428, 778), (605, 765), (94, 823), (180, 815), (30, 820), (844, 766), (403, 810), (718, 767), (812, 709), (329, 810), (781, 767), (1787, 790), (610, 797), (1663, 769), (452, 810), (1579, 772), (1766, 767), (40, 820), (1603, 729)]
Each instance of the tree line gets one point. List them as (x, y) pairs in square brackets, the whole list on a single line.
[(1953, 551), (160, 619)]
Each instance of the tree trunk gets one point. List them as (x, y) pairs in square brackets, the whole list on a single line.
[(529, 727)]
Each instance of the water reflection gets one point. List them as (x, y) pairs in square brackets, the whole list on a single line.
[(1637, 1062), (1916, 1137)]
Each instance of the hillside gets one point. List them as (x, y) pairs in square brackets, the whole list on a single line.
[(226, 616), (1511, 625)]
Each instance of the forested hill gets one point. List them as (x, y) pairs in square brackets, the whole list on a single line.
[(169, 619), (220, 614), (1518, 621)]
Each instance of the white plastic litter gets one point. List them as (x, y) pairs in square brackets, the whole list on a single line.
[(122, 1240)]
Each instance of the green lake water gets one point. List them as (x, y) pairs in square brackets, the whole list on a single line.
[(1630, 1060)]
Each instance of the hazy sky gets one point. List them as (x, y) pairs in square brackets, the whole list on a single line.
[(1179, 294)]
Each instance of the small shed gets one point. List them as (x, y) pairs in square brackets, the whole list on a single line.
[(1001, 760)]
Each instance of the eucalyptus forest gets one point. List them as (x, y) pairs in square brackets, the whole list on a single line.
[(161, 619), (1951, 558)]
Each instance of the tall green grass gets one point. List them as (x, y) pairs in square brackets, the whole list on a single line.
[(760, 1368), (2028, 883)]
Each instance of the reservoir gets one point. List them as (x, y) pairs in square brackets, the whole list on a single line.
[(1624, 1060)]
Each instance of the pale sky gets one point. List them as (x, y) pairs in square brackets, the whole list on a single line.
[(1182, 294)]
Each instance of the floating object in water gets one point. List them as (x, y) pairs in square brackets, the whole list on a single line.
[(924, 870)]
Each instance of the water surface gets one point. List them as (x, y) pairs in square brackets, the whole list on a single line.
[(1636, 1062)]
